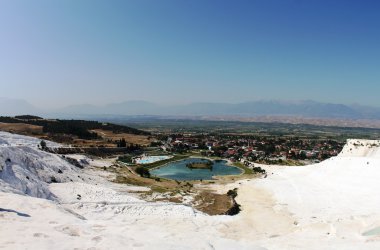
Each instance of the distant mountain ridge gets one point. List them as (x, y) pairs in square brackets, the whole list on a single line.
[(16, 107), (309, 109), (305, 109)]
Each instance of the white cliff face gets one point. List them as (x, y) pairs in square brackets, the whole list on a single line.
[(330, 205), (27, 170), (9, 139)]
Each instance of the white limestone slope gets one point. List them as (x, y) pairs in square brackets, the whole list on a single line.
[(85, 211), (361, 148), (25, 169), (9, 139), (330, 205)]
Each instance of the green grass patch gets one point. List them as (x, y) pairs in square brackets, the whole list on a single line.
[(245, 168)]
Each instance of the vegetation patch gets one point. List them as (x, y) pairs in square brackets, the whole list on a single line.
[(246, 169), (213, 204), (143, 172), (80, 128), (200, 165), (235, 208)]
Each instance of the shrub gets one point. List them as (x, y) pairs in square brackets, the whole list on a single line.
[(143, 172), (43, 144), (232, 193), (125, 159)]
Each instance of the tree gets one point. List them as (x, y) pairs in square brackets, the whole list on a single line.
[(121, 143), (232, 193), (302, 155), (143, 172), (125, 158)]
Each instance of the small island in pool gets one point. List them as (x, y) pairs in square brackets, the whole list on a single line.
[(206, 164)]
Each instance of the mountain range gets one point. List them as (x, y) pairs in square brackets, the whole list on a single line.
[(9, 107), (305, 109)]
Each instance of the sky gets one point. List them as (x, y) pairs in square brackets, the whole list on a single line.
[(58, 53)]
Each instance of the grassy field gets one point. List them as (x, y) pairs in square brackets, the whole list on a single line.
[(130, 138)]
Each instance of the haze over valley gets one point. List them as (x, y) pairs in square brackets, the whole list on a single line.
[(296, 112)]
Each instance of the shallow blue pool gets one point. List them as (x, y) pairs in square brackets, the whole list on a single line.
[(179, 171), (373, 232)]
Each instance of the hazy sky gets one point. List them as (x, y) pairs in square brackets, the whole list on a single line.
[(54, 53)]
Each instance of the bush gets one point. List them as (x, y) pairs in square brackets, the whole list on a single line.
[(43, 144), (125, 159), (232, 193), (143, 172)]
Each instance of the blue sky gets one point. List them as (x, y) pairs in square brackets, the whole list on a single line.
[(56, 53)]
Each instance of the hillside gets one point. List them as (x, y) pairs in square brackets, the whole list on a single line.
[(78, 133), (80, 128)]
